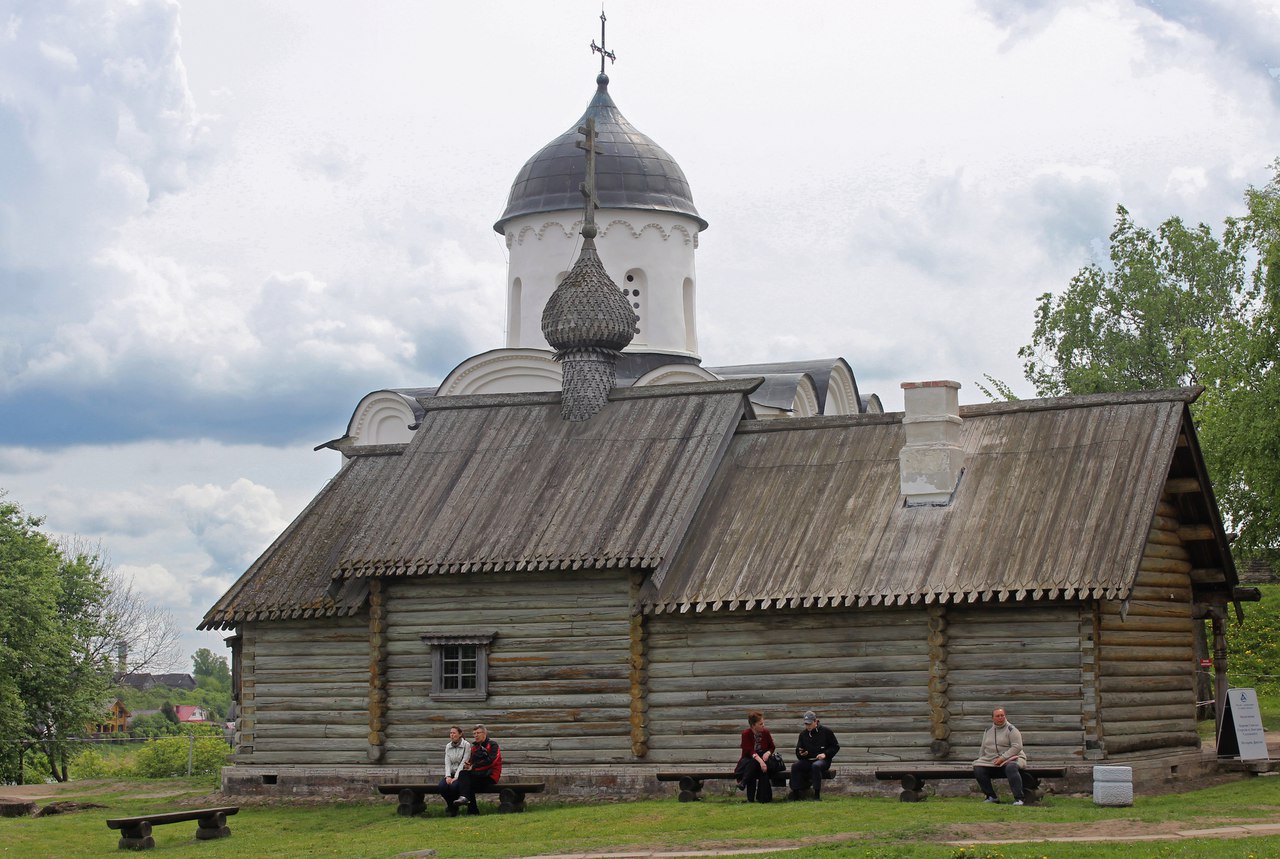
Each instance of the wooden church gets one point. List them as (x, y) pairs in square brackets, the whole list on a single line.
[(608, 553)]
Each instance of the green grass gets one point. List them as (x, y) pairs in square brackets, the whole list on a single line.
[(840, 826)]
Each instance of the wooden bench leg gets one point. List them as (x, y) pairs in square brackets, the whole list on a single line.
[(1031, 792), (412, 803), (213, 826), (510, 801), (912, 789), (690, 789), (136, 837)]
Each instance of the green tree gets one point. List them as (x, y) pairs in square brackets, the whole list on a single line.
[(210, 670), (63, 613), (1179, 306), (50, 618)]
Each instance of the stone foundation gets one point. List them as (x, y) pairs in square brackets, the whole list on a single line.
[(1153, 773)]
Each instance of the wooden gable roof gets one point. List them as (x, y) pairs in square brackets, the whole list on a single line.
[(498, 482), (1056, 499), (503, 483)]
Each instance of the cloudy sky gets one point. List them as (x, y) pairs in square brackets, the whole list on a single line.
[(222, 222)]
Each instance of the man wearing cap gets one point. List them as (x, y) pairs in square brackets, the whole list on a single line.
[(815, 748)]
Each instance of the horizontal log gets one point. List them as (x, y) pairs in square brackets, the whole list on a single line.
[(495, 621), (1113, 622), (771, 700), (1156, 550), (305, 746), (268, 730), (1144, 608), (1180, 638), (279, 650), (569, 597), (334, 678), (1178, 739), (1050, 693), (698, 667), (325, 703), (1164, 538), (1178, 596), (1115, 728), (288, 638), (1184, 709), (1181, 668), (316, 717), (786, 622), (1014, 661), (1012, 631), (783, 652), (301, 689), (1178, 657), (1150, 683), (745, 633), (992, 676), (314, 758), (1164, 565), (1051, 647), (1160, 579), (1190, 532), (1182, 485), (1147, 698), (1165, 523)]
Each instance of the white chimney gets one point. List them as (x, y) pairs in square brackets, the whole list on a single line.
[(931, 461)]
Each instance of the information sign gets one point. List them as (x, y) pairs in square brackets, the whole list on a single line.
[(1241, 735)]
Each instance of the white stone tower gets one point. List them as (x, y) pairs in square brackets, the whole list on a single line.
[(648, 230)]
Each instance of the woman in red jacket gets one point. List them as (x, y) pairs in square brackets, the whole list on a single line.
[(753, 768)]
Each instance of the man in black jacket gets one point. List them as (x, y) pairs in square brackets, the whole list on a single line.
[(815, 748)]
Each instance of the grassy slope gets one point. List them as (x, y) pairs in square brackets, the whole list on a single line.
[(875, 827)]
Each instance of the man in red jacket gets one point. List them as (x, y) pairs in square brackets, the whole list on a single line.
[(482, 770)]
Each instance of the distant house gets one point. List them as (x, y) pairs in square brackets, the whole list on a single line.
[(143, 681), (116, 721), (190, 713)]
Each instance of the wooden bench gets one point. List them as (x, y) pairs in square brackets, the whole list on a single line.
[(413, 797), (913, 780), (135, 832), (691, 783)]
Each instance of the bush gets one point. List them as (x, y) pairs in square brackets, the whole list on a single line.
[(89, 763), (1254, 646), (167, 757)]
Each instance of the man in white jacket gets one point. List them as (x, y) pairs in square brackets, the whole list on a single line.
[(1001, 754), (456, 754)]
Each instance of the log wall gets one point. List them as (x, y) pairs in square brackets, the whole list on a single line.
[(865, 672), (1146, 649), (1027, 658), (305, 694), (560, 666)]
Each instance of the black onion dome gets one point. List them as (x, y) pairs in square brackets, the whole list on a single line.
[(587, 310), (632, 172)]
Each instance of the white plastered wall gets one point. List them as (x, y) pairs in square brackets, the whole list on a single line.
[(655, 248)]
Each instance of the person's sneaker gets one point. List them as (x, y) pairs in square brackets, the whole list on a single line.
[(990, 799), (451, 810), (1018, 802)]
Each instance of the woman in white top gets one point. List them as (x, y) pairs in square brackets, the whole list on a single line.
[(456, 754)]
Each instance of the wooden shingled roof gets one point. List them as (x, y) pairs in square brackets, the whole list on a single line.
[(1056, 500), (501, 482)]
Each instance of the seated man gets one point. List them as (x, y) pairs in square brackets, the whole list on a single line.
[(457, 752), (482, 770), (815, 748), (1001, 754)]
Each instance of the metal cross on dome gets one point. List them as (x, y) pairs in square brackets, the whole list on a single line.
[(599, 49), (588, 188)]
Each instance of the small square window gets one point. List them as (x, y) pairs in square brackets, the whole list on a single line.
[(459, 665)]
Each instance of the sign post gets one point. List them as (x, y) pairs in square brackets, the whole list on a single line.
[(1241, 735)]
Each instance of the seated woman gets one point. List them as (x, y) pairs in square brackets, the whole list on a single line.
[(753, 767)]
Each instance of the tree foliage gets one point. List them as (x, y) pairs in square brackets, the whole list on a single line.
[(1179, 306), (60, 619)]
